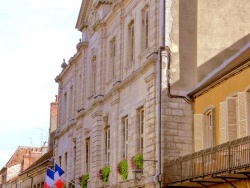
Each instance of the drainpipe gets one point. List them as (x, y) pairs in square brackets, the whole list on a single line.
[(187, 99), (159, 87), (31, 181)]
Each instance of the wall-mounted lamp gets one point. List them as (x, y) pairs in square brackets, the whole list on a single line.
[(137, 174)]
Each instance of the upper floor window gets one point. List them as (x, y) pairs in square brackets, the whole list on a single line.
[(60, 161), (65, 97), (140, 116), (93, 77), (204, 130), (87, 153), (131, 38), (66, 160), (125, 136), (208, 129), (71, 102), (107, 145), (112, 57), (145, 28), (74, 150), (234, 117)]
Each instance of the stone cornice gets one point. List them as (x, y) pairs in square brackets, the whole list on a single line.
[(148, 63), (82, 20), (72, 61), (98, 3), (82, 45)]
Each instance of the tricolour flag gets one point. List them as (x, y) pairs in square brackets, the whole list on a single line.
[(49, 180), (57, 177)]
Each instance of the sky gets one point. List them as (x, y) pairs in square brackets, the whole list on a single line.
[(35, 37)]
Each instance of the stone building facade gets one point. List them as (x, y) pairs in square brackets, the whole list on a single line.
[(109, 96), (112, 102)]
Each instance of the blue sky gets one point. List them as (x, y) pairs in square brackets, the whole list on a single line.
[(35, 37)]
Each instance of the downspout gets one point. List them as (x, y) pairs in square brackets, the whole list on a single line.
[(31, 181), (159, 87), (187, 99)]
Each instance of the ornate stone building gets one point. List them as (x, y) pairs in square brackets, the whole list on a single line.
[(124, 91)]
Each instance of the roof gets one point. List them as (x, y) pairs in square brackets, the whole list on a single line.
[(45, 158), (236, 61), (17, 157)]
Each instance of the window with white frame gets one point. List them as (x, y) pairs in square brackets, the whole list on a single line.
[(208, 129), (125, 136), (234, 117), (204, 129), (131, 40), (107, 145), (145, 29)]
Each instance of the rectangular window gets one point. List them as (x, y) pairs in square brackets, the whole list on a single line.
[(87, 154), (145, 28), (107, 145), (204, 130), (66, 160), (74, 153), (112, 57), (64, 107), (125, 137), (208, 129), (60, 160), (131, 48), (71, 102), (141, 128), (93, 79)]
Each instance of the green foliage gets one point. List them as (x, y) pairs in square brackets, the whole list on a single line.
[(122, 169), (84, 180), (137, 161), (104, 173), (72, 184)]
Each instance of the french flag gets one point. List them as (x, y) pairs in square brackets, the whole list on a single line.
[(57, 176), (49, 180)]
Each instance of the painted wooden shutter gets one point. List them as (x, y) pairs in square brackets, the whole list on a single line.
[(242, 114), (231, 118), (222, 123), (212, 128), (198, 132)]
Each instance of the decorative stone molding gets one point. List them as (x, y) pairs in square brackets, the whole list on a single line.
[(96, 113), (70, 135)]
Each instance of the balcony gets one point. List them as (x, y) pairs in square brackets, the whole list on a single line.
[(223, 163)]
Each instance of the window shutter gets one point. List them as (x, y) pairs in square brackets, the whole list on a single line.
[(213, 127), (198, 133), (242, 114), (222, 125), (231, 118)]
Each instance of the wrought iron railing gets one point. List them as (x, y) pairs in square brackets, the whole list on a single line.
[(227, 157)]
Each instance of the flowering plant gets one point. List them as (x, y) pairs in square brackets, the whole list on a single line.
[(137, 161), (83, 180), (71, 184), (103, 173), (122, 169)]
